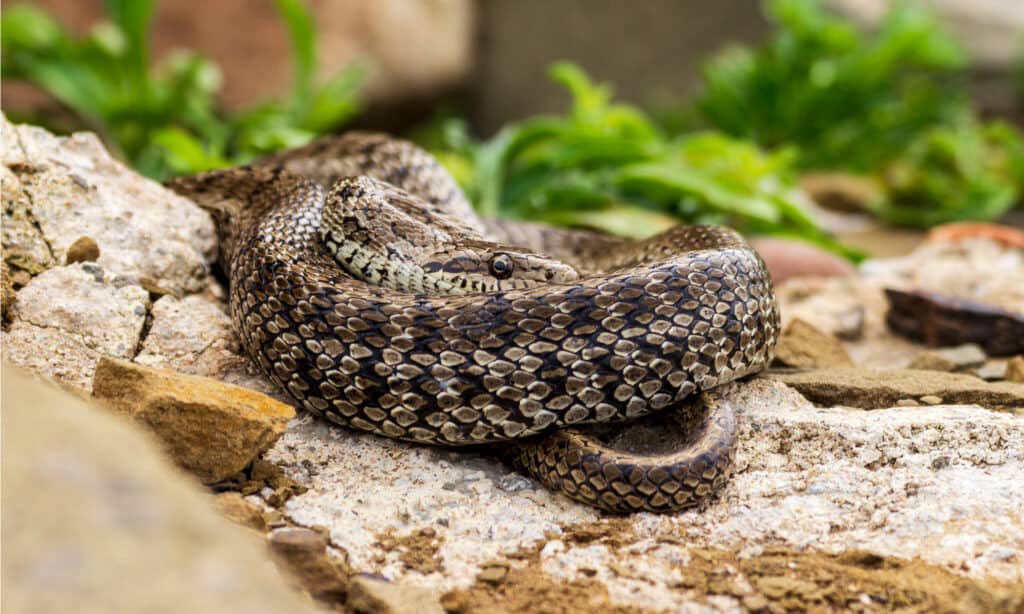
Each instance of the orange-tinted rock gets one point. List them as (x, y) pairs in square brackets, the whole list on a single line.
[(210, 428)]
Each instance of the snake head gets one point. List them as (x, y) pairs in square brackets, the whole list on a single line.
[(473, 265), (388, 237)]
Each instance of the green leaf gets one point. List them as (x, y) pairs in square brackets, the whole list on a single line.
[(27, 28), (302, 40), (336, 101)]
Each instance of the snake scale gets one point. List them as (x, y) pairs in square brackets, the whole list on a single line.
[(362, 283)]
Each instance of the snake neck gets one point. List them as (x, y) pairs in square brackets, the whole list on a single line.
[(237, 199)]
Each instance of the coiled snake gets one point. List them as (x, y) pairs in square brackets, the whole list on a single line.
[(362, 283)]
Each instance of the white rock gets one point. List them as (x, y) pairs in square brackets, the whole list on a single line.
[(142, 229)]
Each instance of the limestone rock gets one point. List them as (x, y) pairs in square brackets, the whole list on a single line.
[(95, 521), (194, 335), (372, 596), (302, 554), (7, 295), (212, 429), (804, 346), (24, 246), (232, 505), (1015, 369), (77, 314), (75, 189), (957, 358), (834, 306), (875, 388)]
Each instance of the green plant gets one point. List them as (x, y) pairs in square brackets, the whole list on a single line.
[(846, 99), (164, 119), (608, 166), (891, 104)]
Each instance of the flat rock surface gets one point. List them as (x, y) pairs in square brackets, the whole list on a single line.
[(875, 388)]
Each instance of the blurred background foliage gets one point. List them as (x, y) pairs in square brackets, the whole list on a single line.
[(164, 118), (889, 107)]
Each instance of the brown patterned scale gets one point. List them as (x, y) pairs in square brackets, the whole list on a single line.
[(633, 329)]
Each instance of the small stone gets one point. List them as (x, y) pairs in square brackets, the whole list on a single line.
[(931, 399), (7, 294), (494, 572), (84, 249), (755, 603), (964, 356), (786, 259), (804, 346), (907, 403), (992, 370), (932, 361), (940, 462), (210, 428), (1015, 369), (372, 596), (234, 506), (302, 554)]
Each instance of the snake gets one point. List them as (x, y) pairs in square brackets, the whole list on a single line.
[(364, 285)]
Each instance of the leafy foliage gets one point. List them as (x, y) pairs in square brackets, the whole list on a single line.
[(608, 166), (890, 104), (164, 119)]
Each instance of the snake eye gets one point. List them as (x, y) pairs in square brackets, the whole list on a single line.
[(501, 266)]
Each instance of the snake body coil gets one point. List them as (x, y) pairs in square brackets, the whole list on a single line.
[(643, 327)]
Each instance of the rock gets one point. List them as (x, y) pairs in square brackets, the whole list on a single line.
[(975, 269), (194, 335), (992, 370), (834, 306), (841, 192), (84, 249), (806, 477), (907, 403), (78, 316), (786, 259), (212, 429), (931, 399), (302, 554), (234, 507), (932, 361), (1015, 369), (936, 319), (142, 537), (371, 596), (7, 294), (958, 231), (70, 187), (804, 346), (874, 388), (958, 358), (24, 245)]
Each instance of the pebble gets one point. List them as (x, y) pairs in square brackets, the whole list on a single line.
[(84, 249), (907, 403), (931, 400), (1015, 369)]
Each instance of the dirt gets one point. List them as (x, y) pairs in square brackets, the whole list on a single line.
[(418, 550), (776, 580)]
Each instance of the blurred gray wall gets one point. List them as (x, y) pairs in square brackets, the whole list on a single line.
[(649, 49)]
